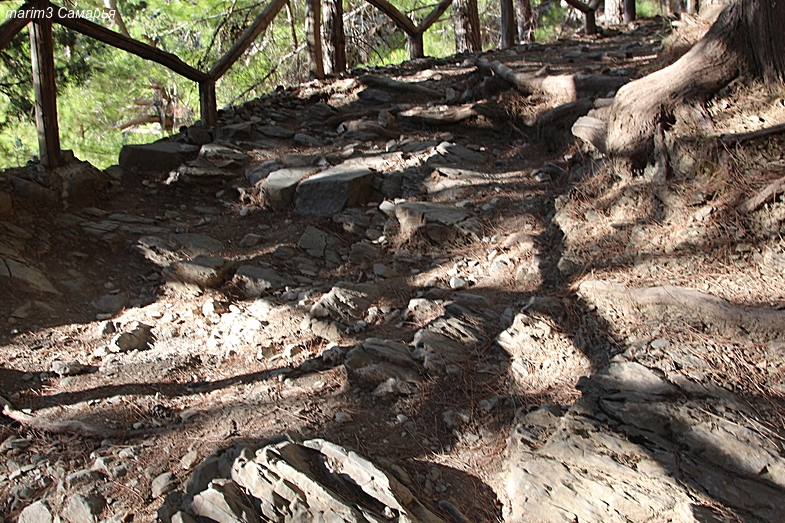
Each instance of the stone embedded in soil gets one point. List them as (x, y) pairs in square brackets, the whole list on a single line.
[(292, 484), (224, 502), (137, 336), (198, 136), (83, 509), (163, 484), (29, 275), (158, 156), (250, 240), (376, 361), (38, 512), (313, 241), (238, 131), (257, 280), (207, 271), (448, 340), (68, 368), (346, 302), (328, 192), (258, 173), (413, 215), (277, 191), (194, 243), (203, 176), (110, 303)]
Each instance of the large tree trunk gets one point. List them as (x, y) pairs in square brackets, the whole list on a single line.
[(334, 37), (467, 26), (613, 11), (508, 25), (747, 38), (525, 20)]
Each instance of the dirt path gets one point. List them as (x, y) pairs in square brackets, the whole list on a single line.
[(454, 301)]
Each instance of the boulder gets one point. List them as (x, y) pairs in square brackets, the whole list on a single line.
[(207, 271), (328, 192), (258, 280), (158, 156), (277, 191)]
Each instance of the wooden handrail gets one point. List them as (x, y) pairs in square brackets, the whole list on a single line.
[(434, 15), (11, 27), (130, 45), (400, 19), (246, 39)]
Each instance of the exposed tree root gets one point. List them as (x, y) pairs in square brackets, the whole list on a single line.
[(563, 88), (688, 305)]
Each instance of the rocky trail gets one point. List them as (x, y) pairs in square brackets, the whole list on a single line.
[(403, 294)]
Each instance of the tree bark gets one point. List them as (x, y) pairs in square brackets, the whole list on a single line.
[(747, 38), (42, 56), (589, 23), (467, 26), (334, 37), (508, 25), (613, 12), (313, 36), (526, 20)]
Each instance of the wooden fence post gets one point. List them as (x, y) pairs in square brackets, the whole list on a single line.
[(629, 11), (313, 36), (208, 103), (509, 26), (334, 37), (45, 87)]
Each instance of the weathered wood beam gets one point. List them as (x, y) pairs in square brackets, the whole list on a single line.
[(246, 39), (11, 27), (45, 88), (130, 45), (400, 19), (207, 102), (434, 15), (313, 37), (334, 37)]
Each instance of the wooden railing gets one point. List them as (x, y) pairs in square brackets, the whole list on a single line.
[(42, 52)]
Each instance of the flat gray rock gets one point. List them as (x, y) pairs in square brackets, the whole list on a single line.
[(224, 502), (82, 509), (159, 156), (194, 243), (346, 302), (258, 280), (277, 191), (207, 271), (38, 512), (28, 275), (293, 485), (328, 192)]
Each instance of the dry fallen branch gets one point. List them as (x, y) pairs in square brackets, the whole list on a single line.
[(760, 198), (745, 137), (563, 88), (60, 427), (395, 85)]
